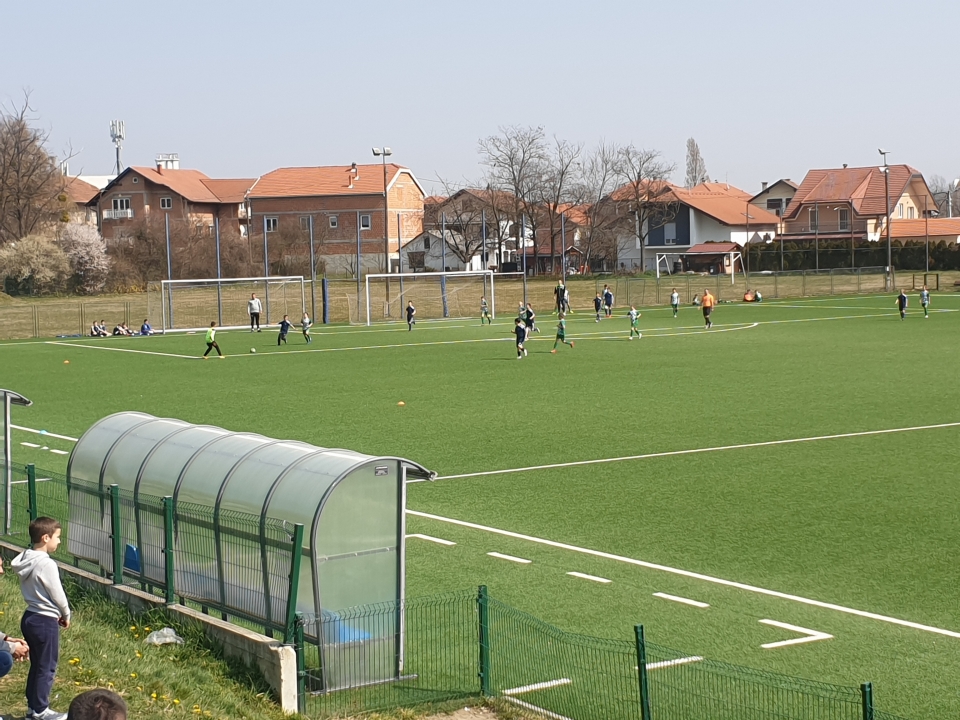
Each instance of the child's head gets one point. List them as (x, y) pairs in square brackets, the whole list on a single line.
[(562, 316), (145, 321), (213, 323), (633, 307), (529, 307), (285, 317), (517, 321), (97, 704), (924, 287), (45, 532)]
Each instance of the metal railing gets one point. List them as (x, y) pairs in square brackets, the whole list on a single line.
[(118, 214), (469, 645)]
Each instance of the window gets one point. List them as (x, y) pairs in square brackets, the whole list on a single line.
[(364, 222), (136, 180), (900, 210), (334, 222), (670, 234), (775, 206), (910, 213), (426, 242), (271, 224), (843, 219), (814, 218), (166, 203), (121, 203), (305, 223)]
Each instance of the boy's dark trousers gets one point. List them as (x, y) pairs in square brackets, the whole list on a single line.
[(42, 634)]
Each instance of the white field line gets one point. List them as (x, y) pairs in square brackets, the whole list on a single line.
[(26, 444), (811, 635), (44, 432), (511, 558), (126, 350), (674, 663), (537, 686), (535, 708), (694, 451), (693, 575), (685, 601), (584, 576), (430, 538), (58, 452)]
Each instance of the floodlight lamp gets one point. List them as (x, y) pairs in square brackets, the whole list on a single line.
[(387, 151), (881, 151), (376, 152)]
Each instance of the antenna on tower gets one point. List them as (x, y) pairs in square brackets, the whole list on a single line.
[(117, 135)]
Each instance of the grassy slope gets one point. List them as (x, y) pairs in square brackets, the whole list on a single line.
[(859, 522), (104, 648)]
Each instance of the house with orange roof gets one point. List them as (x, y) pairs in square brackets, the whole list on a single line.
[(685, 217), (75, 196), (852, 203), (345, 206), (140, 194), (776, 197)]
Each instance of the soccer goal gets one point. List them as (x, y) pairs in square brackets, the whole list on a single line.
[(191, 305), (435, 295), (929, 280)]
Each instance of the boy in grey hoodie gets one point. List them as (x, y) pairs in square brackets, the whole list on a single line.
[(47, 611)]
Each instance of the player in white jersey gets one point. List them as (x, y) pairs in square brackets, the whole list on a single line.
[(925, 301), (634, 316), (675, 301)]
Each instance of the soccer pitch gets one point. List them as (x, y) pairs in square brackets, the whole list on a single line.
[(789, 475)]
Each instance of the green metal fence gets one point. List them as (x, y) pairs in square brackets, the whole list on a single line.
[(240, 566), (469, 645), (400, 654)]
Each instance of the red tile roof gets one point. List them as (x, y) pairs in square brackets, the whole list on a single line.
[(727, 204), (79, 191), (934, 227), (232, 190), (862, 187), (186, 183), (713, 248), (434, 199), (326, 180)]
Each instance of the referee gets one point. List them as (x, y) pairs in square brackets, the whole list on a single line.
[(254, 308)]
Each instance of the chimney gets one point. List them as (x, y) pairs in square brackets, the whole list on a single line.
[(844, 166), (763, 186), (168, 161)]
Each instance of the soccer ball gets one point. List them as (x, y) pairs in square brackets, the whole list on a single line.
[(253, 350)]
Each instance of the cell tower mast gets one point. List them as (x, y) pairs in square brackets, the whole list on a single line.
[(117, 135)]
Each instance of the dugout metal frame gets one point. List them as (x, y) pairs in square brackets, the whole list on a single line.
[(733, 257)]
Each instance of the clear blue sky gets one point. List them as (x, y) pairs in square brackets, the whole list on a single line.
[(768, 89)]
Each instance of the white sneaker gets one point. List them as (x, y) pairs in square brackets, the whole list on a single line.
[(48, 714)]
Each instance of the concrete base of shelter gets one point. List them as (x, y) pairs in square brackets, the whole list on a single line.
[(276, 661)]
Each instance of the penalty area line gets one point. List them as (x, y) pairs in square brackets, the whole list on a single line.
[(693, 575), (126, 350), (694, 451)]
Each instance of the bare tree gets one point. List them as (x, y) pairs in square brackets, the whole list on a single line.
[(601, 171), (696, 167), (947, 195), (30, 179), (558, 186), (461, 220), (515, 159), (645, 193)]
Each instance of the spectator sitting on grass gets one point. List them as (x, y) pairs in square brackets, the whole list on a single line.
[(11, 648), (146, 329), (97, 704)]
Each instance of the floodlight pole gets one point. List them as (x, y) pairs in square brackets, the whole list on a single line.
[(216, 222), (443, 242), (166, 223), (523, 250), (886, 185), (383, 153), (563, 248), (9, 398), (313, 276), (266, 271), (359, 258)]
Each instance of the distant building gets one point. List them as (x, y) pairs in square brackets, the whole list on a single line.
[(775, 198)]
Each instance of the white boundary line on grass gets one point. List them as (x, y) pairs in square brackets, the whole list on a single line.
[(694, 451), (537, 686), (535, 708), (691, 574), (685, 601), (511, 558), (44, 432), (117, 349), (809, 635), (672, 663)]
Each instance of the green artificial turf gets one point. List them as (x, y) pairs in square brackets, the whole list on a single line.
[(864, 522)]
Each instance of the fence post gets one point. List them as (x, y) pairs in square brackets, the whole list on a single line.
[(32, 491), (443, 295), (301, 665), (293, 586), (642, 671), (776, 286), (115, 536), (866, 698), (483, 608), (325, 299), (169, 590), (803, 283)]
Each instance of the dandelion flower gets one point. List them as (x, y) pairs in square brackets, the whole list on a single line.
[(176, 702), (153, 695), (133, 675)]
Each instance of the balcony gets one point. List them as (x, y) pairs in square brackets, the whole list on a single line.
[(825, 228), (118, 214)]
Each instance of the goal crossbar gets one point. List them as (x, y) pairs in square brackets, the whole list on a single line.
[(442, 275), (170, 290)]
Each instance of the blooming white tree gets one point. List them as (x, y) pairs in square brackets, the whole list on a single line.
[(87, 252), (33, 265)]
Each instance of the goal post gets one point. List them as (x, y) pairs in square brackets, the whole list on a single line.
[(190, 305), (435, 295)]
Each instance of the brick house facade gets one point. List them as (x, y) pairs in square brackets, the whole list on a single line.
[(141, 194), (342, 201)]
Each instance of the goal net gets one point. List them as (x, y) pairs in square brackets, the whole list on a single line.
[(435, 295), (191, 305)]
